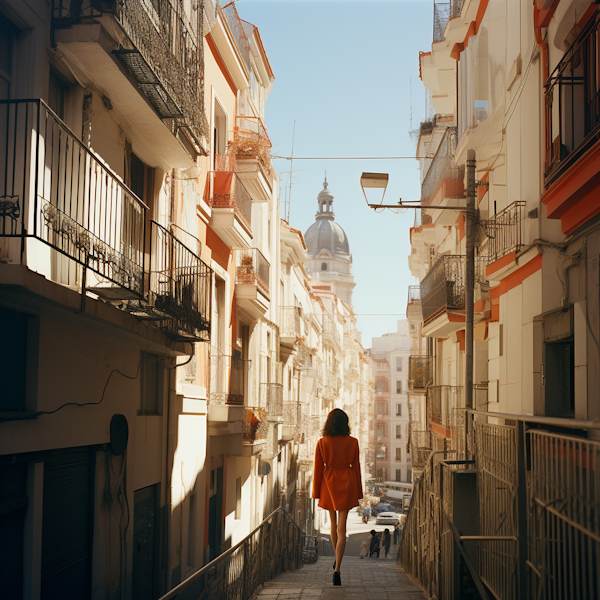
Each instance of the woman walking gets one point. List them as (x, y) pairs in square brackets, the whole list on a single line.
[(386, 542), (337, 481)]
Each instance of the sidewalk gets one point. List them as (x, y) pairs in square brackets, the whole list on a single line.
[(369, 579)]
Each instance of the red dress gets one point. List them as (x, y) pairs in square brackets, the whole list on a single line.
[(336, 480)]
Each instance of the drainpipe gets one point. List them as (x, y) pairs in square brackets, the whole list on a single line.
[(545, 75), (470, 276)]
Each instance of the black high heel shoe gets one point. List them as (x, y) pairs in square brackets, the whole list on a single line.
[(337, 579)]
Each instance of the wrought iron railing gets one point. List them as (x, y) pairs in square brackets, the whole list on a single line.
[(272, 398), (163, 50), (420, 447), (252, 268), (290, 321), (505, 231), (292, 412), (179, 287), (276, 545), (250, 141), (572, 96), (226, 190), (441, 402), (420, 372), (55, 190), (235, 24), (442, 13), (227, 379), (255, 426), (414, 293), (442, 168), (330, 330), (444, 286)]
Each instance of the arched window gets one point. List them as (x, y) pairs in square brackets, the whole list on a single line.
[(323, 266)]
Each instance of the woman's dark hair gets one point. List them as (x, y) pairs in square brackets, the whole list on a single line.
[(337, 423)]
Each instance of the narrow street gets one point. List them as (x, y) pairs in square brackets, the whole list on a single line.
[(370, 579)]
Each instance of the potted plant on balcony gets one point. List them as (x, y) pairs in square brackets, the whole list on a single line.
[(245, 270)]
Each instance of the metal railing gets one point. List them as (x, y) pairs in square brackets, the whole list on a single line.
[(255, 426), (272, 398), (276, 545), (443, 287), (55, 190), (442, 167), (227, 379), (574, 122), (250, 141), (292, 412), (420, 372), (420, 447), (252, 268), (441, 402), (442, 13), (235, 24), (226, 190), (290, 321), (163, 51), (179, 287), (414, 293), (505, 231), (330, 330)]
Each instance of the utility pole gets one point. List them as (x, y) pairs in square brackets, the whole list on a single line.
[(470, 278)]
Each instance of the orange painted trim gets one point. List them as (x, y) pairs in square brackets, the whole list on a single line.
[(460, 338), (482, 189), (587, 15), (544, 16), (501, 263), (263, 53), (455, 318), (421, 54), (219, 250), (448, 188), (495, 313), (456, 50), (460, 224), (479, 306), (220, 63), (472, 31), (441, 430), (515, 279)]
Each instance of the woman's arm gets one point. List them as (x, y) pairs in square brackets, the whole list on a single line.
[(356, 469), (317, 472)]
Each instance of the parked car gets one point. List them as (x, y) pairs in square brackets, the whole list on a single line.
[(388, 518), (381, 508)]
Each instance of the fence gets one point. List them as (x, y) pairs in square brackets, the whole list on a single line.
[(226, 190), (252, 268), (444, 286), (442, 167), (505, 231), (536, 500), (250, 141), (290, 321), (276, 545), (414, 293), (442, 13), (163, 50), (330, 329), (235, 24), (228, 374), (272, 399), (420, 371), (54, 189)]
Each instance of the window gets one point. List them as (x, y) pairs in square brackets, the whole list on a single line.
[(398, 474), (399, 454), (238, 498), (381, 385), (323, 266), (398, 364), (381, 408), (398, 431), (7, 32), (559, 376), (57, 92), (398, 410), (219, 133), (153, 384), (398, 386)]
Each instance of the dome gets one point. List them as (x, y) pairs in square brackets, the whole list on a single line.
[(325, 233)]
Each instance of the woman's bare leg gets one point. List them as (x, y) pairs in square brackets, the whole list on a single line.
[(334, 534), (341, 538)]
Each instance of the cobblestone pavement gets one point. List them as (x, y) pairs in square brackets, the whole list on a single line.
[(368, 579)]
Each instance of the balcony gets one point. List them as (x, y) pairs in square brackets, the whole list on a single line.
[(226, 411), (60, 202), (330, 384), (442, 400), (178, 299), (231, 207), (160, 90), (420, 447), (271, 395), (252, 274), (414, 312), (330, 332), (292, 419), (505, 231), (443, 184), (254, 432), (252, 150), (442, 13), (420, 372), (290, 324)]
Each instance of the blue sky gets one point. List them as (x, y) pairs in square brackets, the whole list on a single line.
[(343, 71)]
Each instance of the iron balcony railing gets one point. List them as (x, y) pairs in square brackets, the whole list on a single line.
[(505, 231), (162, 49), (226, 190), (443, 288), (227, 379), (441, 402), (420, 447), (330, 331), (55, 190), (272, 399), (442, 13), (252, 268), (442, 168), (414, 293), (572, 94), (276, 545), (239, 35), (179, 288), (420, 372), (255, 426), (292, 412), (250, 141), (290, 321)]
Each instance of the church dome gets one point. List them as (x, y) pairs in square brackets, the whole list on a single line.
[(325, 233)]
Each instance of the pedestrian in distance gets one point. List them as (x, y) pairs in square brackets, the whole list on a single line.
[(366, 514), (375, 543), (386, 542), (364, 549), (396, 533), (337, 482)]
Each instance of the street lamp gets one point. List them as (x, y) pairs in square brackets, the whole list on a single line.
[(376, 181)]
